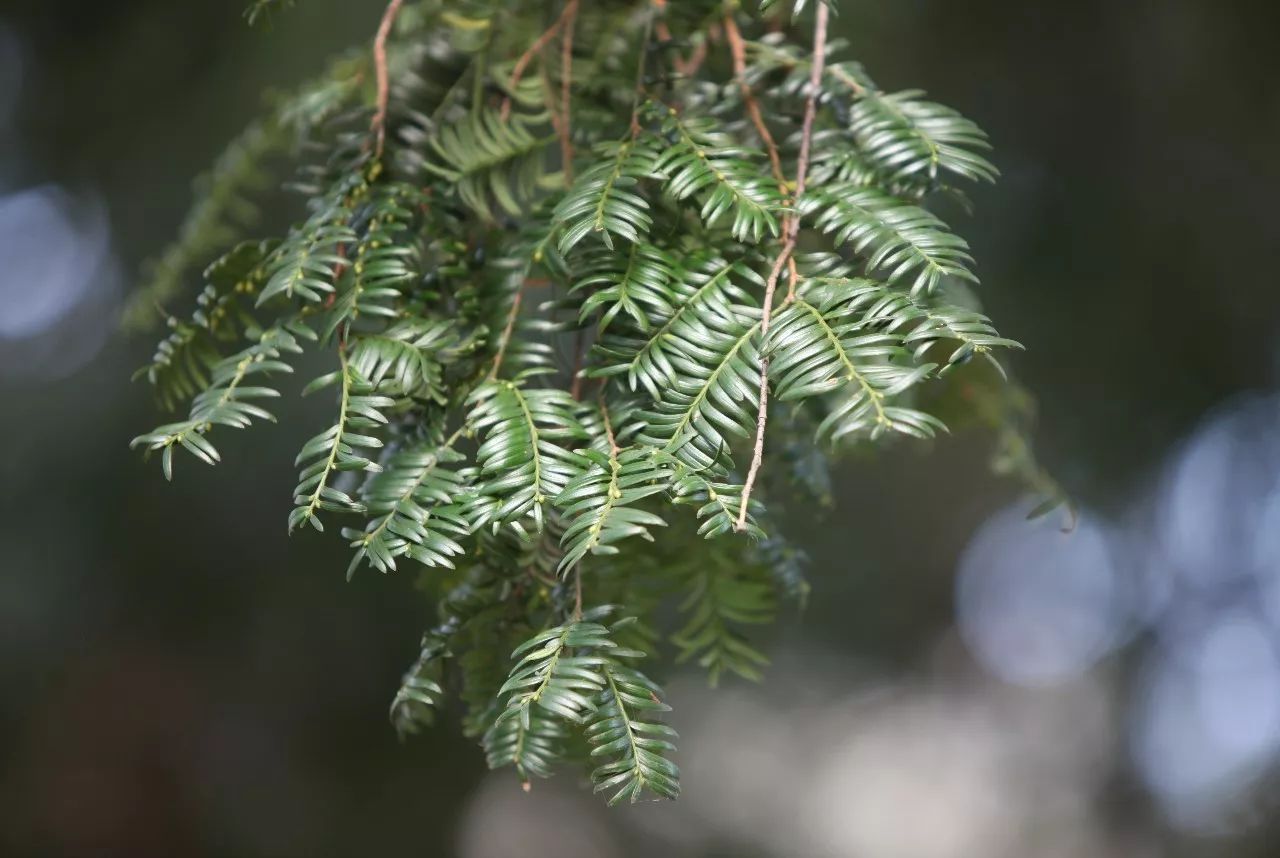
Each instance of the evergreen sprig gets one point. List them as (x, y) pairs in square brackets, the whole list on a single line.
[(582, 278)]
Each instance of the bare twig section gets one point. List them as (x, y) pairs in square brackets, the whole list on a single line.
[(506, 333), (684, 66), (848, 80), (688, 67), (811, 103), (784, 255), (379, 123), (570, 16), (522, 64), (739, 51), (579, 348), (577, 592), (660, 26)]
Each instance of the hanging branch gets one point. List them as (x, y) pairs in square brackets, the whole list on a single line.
[(784, 255)]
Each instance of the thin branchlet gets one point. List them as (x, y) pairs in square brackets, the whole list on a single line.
[(379, 122), (784, 258), (508, 329), (566, 90), (535, 49), (738, 50)]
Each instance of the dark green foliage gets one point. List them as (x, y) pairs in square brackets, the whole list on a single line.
[(524, 467), (912, 140), (705, 163), (485, 158), (823, 343), (903, 242), (574, 323), (602, 201), (416, 501), (342, 447), (626, 738), (601, 501)]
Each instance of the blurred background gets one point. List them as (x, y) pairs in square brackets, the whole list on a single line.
[(179, 679)]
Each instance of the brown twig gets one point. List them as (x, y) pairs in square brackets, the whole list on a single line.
[(608, 424), (379, 123), (660, 26), (689, 66), (739, 51), (566, 88), (684, 66), (784, 255), (506, 333), (522, 64)]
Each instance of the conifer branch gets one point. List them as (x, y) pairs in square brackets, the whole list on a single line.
[(643, 192), (566, 90)]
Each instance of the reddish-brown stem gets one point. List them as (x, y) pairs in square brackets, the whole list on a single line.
[(379, 123), (689, 66), (522, 64), (784, 255), (811, 103), (738, 49)]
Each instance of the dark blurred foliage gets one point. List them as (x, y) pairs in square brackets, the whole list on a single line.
[(163, 695)]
